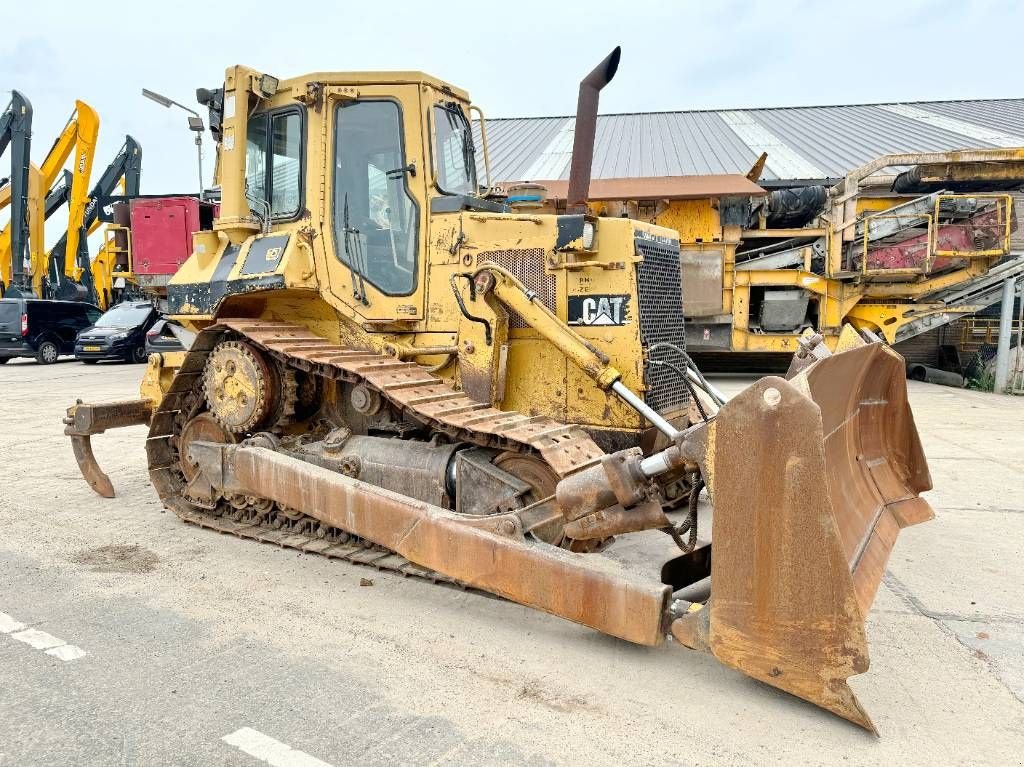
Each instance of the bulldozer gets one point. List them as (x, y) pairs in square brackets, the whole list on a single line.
[(394, 369)]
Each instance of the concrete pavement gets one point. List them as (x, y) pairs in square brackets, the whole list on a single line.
[(190, 638)]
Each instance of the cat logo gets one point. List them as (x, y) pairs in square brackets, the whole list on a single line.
[(599, 310)]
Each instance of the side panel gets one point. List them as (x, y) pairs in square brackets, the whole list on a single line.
[(162, 233)]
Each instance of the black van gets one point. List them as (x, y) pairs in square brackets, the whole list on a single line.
[(120, 334), (41, 328)]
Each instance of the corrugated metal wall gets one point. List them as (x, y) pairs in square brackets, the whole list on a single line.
[(806, 143)]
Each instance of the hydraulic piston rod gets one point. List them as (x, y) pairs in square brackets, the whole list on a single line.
[(645, 410)]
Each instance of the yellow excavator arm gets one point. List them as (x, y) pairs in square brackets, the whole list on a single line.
[(86, 129), (5, 240), (16, 134), (106, 258), (78, 137)]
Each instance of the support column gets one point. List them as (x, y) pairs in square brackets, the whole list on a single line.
[(1003, 346)]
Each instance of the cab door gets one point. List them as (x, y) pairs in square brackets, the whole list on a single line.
[(376, 209)]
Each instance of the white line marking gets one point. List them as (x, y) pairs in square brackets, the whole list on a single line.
[(783, 160), (38, 639), (8, 625), (273, 752), (66, 652), (952, 124)]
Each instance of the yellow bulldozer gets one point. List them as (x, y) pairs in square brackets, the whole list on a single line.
[(392, 369)]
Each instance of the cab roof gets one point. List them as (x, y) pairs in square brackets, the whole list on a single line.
[(374, 78)]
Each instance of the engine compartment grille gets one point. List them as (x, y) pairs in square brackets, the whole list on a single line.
[(660, 299), (527, 266)]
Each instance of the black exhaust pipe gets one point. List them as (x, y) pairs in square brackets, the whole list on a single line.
[(586, 127)]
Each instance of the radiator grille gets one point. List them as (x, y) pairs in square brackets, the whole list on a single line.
[(527, 265), (660, 298)]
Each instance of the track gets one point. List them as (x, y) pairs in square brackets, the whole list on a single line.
[(406, 386)]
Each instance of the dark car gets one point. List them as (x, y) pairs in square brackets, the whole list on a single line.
[(161, 338), (41, 328), (120, 334)]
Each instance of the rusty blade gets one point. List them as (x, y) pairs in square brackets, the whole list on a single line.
[(811, 480), (875, 462)]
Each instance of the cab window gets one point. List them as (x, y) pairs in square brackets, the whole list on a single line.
[(273, 163), (375, 215), (453, 151)]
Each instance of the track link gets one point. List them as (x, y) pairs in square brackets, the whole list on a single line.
[(407, 386), (327, 542)]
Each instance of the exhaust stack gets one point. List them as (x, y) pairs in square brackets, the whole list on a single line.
[(586, 127)]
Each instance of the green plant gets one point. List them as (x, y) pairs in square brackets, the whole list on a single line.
[(980, 377), (984, 381)]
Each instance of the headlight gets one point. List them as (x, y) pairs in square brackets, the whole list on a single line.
[(588, 235), (119, 337)]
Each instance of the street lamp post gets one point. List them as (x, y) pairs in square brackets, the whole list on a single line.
[(195, 124)]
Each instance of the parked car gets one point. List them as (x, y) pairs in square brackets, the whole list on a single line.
[(120, 334), (160, 338), (41, 328)]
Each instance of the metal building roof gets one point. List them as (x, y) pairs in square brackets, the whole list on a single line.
[(803, 143)]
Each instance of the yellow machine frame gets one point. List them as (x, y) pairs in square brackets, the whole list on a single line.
[(414, 327), (882, 301)]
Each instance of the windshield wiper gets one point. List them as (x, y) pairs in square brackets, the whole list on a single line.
[(469, 156), (458, 123), (354, 256), (399, 172)]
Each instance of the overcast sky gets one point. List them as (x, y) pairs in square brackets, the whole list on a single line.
[(520, 58)]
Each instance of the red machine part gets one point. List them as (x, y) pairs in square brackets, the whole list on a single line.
[(162, 230), (977, 233)]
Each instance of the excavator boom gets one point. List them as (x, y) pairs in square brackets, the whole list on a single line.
[(50, 185), (16, 133), (71, 269), (79, 135)]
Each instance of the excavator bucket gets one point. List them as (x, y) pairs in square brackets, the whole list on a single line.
[(811, 480)]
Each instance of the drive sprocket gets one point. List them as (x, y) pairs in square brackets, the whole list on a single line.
[(239, 384)]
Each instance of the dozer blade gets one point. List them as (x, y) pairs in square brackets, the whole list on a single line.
[(84, 420), (811, 480)]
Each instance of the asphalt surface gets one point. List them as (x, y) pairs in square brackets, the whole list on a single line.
[(185, 647)]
